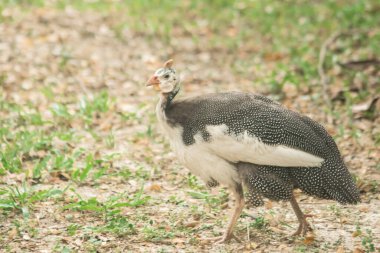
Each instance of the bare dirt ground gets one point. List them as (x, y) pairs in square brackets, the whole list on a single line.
[(71, 55)]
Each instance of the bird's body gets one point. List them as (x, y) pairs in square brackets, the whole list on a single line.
[(212, 133), (237, 139)]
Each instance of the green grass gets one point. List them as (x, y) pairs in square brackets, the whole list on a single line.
[(214, 201), (259, 223), (21, 198)]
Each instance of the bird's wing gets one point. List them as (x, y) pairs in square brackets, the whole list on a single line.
[(246, 148), (251, 128)]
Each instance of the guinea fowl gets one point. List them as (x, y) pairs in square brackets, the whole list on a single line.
[(242, 139)]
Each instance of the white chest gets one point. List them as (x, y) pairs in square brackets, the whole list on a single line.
[(197, 157)]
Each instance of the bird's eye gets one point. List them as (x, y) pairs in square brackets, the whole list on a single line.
[(166, 76)]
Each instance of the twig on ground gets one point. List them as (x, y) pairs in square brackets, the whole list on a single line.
[(360, 64)]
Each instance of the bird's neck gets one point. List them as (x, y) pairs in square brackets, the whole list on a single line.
[(167, 98)]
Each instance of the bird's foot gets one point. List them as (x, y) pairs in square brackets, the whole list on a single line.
[(222, 239), (303, 227)]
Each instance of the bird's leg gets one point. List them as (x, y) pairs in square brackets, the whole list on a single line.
[(304, 226), (239, 205)]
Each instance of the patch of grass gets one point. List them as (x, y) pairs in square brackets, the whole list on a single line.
[(39, 167), (128, 116), (18, 145), (62, 162), (374, 186), (175, 200), (95, 168), (118, 225), (336, 210), (24, 228), (61, 248), (61, 111), (22, 198), (72, 229), (301, 248), (156, 232), (258, 223), (111, 207), (110, 210), (368, 241), (212, 200), (110, 140), (140, 173), (193, 182), (80, 175), (89, 108)]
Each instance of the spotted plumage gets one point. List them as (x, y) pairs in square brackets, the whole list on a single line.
[(236, 139), (252, 197), (212, 183), (272, 124)]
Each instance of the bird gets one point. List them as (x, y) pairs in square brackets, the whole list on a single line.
[(252, 145)]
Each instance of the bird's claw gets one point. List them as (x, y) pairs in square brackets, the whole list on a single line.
[(303, 227)]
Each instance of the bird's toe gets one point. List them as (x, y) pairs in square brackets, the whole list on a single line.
[(303, 228)]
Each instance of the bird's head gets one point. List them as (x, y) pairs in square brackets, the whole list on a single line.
[(164, 79)]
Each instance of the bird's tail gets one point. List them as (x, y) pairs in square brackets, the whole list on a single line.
[(339, 182)]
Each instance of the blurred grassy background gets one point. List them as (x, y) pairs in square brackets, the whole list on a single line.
[(285, 22), (287, 33)]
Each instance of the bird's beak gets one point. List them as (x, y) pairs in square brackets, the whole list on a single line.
[(152, 81)]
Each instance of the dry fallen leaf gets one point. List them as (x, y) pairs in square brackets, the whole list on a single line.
[(26, 237), (54, 232), (192, 224), (357, 250), (250, 246), (269, 204), (344, 219), (155, 187), (253, 245), (371, 105), (284, 248), (309, 238), (277, 230), (178, 240), (12, 233), (58, 176), (340, 249)]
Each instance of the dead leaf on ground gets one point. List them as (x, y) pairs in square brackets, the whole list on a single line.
[(154, 187), (340, 249), (309, 238), (269, 204), (357, 250), (192, 224), (372, 105)]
